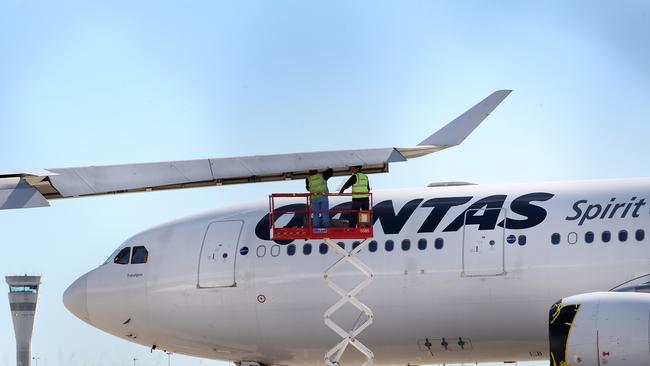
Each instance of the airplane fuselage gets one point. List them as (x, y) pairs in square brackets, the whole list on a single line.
[(462, 274)]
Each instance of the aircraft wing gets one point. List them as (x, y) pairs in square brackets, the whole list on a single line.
[(33, 188)]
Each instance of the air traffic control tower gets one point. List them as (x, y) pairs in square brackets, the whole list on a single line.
[(23, 294)]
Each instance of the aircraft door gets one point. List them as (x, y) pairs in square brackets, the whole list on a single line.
[(218, 254), (483, 253)]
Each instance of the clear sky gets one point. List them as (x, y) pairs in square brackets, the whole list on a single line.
[(90, 83)]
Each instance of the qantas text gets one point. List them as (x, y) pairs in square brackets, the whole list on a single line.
[(484, 213)]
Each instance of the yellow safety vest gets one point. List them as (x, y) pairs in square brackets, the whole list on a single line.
[(317, 185), (360, 188)]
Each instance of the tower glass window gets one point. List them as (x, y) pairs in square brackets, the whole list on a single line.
[(29, 288)]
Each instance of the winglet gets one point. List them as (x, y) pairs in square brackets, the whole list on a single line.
[(457, 130)]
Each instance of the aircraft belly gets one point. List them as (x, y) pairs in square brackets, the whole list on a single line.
[(430, 307)]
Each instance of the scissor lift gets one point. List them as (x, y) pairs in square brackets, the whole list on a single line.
[(301, 206)]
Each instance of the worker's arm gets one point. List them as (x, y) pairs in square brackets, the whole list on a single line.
[(328, 173), (349, 183)]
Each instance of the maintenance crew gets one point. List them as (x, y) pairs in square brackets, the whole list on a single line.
[(316, 184), (360, 188)]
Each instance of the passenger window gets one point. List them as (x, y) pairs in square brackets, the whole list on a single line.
[(572, 238), (406, 244), (606, 237), (555, 239), (521, 240), (372, 246), (243, 251), (389, 245), (322, 248), (306, 249), (439, 243), (123, 256), (275, 250), (291, 249), (622, 235), (422, 244), (140, 255), (589, 237), (341, 244), (639, 235), (261, 251)]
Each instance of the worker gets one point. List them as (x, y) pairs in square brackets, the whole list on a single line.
[(316, 184), (360, 188)]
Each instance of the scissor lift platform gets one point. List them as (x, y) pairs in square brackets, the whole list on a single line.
[(300, 204)]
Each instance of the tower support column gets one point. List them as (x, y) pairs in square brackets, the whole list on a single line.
[(23, 296)]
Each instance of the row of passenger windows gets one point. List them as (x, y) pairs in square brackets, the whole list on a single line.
[(138, 255), (605, 237), (373, 246), (389, 245)]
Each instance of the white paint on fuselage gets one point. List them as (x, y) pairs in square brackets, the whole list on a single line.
[(416, 294)]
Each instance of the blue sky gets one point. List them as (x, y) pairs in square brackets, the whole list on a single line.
[(92, 83)]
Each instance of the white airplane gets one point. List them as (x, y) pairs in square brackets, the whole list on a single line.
[(463, 273)]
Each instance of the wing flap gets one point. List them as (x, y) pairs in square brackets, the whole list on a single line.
[(17, 193), (84, 181), (225, 168)]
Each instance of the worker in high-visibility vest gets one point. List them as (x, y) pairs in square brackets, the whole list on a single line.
[(360, 198), (316, 184)]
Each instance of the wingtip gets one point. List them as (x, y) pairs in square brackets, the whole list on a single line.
[(502, 92), (457, 130)]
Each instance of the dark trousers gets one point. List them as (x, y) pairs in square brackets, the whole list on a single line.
[(358, 204)]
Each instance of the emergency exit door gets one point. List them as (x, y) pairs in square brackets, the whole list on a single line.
[(483, 253), (218, 254)]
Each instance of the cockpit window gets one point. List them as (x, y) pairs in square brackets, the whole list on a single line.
[(123, 256), (140, 255)]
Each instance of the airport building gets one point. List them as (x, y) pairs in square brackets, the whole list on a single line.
[(23, 295)]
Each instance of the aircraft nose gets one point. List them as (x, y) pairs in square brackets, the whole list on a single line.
[(75, 298)]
